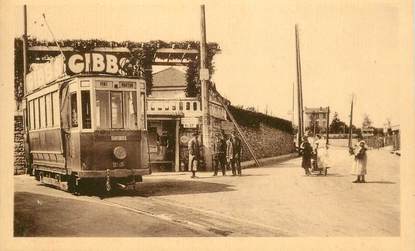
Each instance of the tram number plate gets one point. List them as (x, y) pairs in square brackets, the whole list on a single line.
[(119, 138), (118, 164)]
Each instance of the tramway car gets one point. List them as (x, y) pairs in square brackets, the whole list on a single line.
[(88, 130)]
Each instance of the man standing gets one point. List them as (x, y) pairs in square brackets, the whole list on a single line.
[(194, 154), (237, 147), (307, 152), (219, 149), (229, 154)]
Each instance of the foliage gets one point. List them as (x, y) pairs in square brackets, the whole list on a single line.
[(337, 126), (367, 122), (253, 119), (192, 79), (141, 54)]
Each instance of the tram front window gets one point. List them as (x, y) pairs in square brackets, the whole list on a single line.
[(116, 109)]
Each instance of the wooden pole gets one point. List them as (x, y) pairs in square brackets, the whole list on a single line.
[(328, 125), (25, 68), (240, 133), (299, 88), (205, 90), (351, 122)]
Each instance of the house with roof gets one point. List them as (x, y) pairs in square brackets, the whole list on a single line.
[(173, 117)]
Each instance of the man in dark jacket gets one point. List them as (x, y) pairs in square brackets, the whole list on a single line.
[(219, 152), (237, 148), (194, 154), (307, 153)]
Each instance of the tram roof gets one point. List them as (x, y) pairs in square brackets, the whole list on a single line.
[(81, 75)]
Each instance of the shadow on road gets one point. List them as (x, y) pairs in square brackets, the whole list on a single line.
[(380, 182), (173, 187)]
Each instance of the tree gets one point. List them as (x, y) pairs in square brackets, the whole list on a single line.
[(337, 126), (367, 122)]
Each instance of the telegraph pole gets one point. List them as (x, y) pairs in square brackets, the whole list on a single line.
[(24, 47), (204, 77), (328, 125), (299, 88), (351, 122)]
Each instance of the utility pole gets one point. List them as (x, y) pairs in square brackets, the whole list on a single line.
[(204, 77), (24, 48), (328, 125), (299, 88), (351, 122)]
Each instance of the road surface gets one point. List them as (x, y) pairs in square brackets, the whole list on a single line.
[(275, 200)]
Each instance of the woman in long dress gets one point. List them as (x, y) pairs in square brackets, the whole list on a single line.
[(323, 156), (360, 162)]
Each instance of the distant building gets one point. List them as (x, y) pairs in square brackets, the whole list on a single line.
[(316, 117)]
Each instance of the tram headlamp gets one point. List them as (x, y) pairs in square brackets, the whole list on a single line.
[(120, 152)]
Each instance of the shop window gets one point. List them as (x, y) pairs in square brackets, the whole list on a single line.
[(86, 109), (74, 110)]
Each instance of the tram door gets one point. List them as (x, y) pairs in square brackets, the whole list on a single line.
[(161, 140)]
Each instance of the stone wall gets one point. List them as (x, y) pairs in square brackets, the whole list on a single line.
[(19, 155), (266, 141)]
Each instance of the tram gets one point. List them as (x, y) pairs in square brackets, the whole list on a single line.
[(87, 129)]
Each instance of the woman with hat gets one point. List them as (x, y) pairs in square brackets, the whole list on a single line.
[(360, 162)]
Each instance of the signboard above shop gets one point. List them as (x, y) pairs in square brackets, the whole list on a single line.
[(73, 63)]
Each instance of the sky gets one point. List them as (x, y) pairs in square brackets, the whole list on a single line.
[(346, 47)]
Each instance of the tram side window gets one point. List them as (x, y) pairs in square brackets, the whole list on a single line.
[(55, 107), (194, 106), (130, 109), (86, 110), (42, 108), (102, 110), (31, 115), (187, 106), (49, 111), (36, 113), (74, 110)]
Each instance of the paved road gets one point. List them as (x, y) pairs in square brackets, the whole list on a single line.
[(277, 200)]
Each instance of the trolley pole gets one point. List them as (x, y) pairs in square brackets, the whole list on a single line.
[(204, 77)]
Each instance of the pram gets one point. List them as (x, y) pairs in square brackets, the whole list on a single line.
[(317, 166)]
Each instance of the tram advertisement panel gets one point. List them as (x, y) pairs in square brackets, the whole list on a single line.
[(98, 62), (117, 63)]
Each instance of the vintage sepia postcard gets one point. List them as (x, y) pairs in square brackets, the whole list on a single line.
[(207, 125)]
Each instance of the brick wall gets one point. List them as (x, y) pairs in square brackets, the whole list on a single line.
[(19, 156), (266, 141)]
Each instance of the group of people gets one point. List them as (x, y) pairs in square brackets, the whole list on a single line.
[(226, 151), (315, 156)]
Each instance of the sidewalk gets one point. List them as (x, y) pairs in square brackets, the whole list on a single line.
[(244, 164)]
